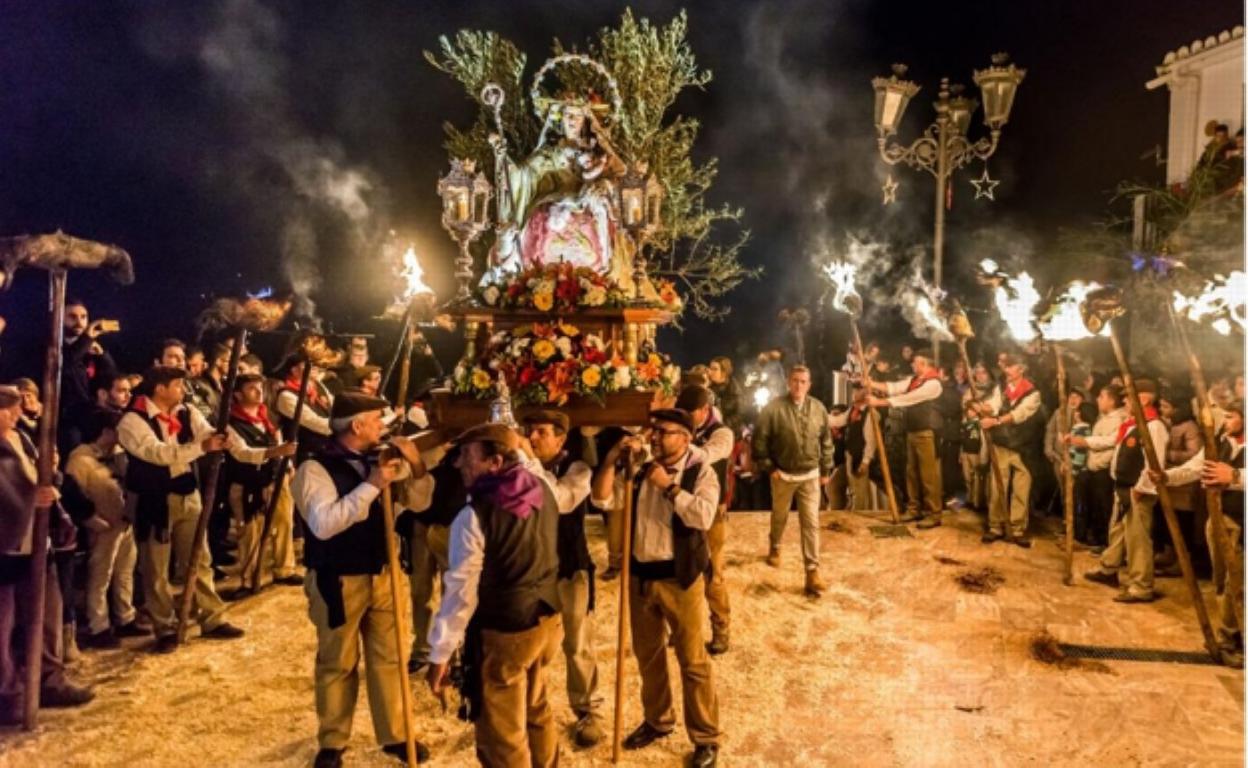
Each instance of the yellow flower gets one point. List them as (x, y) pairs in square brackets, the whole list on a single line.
[(543, 301), (543, 349), (480, 379), (569, 329), (591, 376)]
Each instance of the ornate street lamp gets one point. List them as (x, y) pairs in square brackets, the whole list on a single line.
[(641, 203), (944, 147), (465, 215)]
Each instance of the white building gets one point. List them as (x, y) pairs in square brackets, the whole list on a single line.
[(1206, 82)]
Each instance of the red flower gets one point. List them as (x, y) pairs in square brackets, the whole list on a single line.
[(528, 375)]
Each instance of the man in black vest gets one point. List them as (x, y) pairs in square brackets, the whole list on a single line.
[(1225, 474), (163, 437), (313, 430), (251, 464), (675, 502), (1016, 424), (919, 401), (716, 439), (501, 600), (338, 493), (568, 477)]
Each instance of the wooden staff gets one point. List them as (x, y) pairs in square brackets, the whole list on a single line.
[(1068, 480), (398, 350), (46, 470), (283, 466), (1163, 495), (400, 626), (1213, 497), (994, 469), (880, 448), (621, 640), (209, 487)]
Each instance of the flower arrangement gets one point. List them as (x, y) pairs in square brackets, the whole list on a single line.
[(554, 288), (547, 363)]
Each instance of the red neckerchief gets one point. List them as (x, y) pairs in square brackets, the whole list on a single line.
[(1016, 392), (919, 381), (855, 413), (313, 396), (1150, 414), (260, 418), (172, 425)]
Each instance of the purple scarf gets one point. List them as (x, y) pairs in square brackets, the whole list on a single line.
[(515, 490)]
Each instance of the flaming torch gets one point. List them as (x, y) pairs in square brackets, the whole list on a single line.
[(1062, 321), (845, 299), (1222, 300), (1099, 309), (416, 306)]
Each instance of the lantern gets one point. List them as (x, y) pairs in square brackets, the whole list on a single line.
[(960, 108), (998, 84), (892, 94), (465, 215)]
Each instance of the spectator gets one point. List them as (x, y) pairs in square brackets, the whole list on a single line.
[(83, 357), (727, 392)]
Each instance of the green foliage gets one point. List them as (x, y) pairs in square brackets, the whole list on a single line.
[(699, 245)]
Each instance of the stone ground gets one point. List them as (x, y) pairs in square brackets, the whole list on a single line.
[(896, 665)]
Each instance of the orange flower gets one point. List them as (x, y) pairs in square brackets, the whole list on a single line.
[(667, 292)]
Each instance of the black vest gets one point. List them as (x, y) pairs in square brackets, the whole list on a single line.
[(1233, 501), (253, 479), (1025, 437), (361, 548), (152, 483), (925, 415), (310, 443), (517, 585), (572, 548), (691, 554), (1129, 463), (721, 467)]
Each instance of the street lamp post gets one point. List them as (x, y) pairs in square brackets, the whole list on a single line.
[(944, 147)]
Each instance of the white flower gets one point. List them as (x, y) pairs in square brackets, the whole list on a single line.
[(564, 345), (672, 374), (498, 338), (593, 341), (623, 377), (595, 296), (585, 284), (494, 364), (490, 294)]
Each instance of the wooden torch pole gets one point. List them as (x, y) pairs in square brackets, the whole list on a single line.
[(400, 626), (46, 470), (621, 639), (1232, 559), (994, 469), (881, 449), (1068, 480), (1163, 495), (208, 488)]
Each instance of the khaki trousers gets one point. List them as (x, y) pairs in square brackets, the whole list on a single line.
[(923, 493), (515, 728), (1009, 518), (807, 494), (860, 487), (370, 618), (615, 538), (110, 565), (716, 587), (154, 568), (652, 607), (424, 589), (281, 536), (1229, 629), (1137, 535), (975, 475), (578, 644)]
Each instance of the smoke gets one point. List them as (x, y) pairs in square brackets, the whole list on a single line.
[(319, 202)]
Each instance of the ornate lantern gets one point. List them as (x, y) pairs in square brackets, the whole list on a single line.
[(960, 108), (465, 215), (892, 94), (641, 206), (998, 85)]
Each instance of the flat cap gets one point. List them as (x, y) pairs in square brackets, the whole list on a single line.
[(352, 403), (499, 434), (1146, 385), (550, 416), (677, 416)]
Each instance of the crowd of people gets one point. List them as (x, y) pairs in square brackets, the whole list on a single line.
[(493, 520)]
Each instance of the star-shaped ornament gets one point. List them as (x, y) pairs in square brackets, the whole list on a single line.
[(984, 186), (890, 190)]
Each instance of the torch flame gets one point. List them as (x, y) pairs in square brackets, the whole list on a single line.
[(1221, 301), (1063, 321), (925, 321), (413, 275), (845, 297), (1015, 298)]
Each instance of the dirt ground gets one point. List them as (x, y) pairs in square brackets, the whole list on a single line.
[(896, 665)]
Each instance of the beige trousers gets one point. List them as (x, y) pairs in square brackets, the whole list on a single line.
[(516, 728), (280, 541), (110, 568), (578, 644), (1228, 616), (1009, 516), (807, 494), (923, 493), (370, 619), (154, 567), (716, 587)]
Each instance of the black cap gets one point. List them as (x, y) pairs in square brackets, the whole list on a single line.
[(677, 416), (351, 403), (547, 416), (1145, 386)]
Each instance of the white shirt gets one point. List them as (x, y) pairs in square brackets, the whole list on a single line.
[(570, 490), (1026, 408), (900, 395), (139, 440), (1101, 441), (244, 453), (652, 541), (1190, 470), (1161, 436), (719, 446), (327, 514), (308, 419)]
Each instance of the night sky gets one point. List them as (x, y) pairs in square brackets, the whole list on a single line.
[(112, 127)]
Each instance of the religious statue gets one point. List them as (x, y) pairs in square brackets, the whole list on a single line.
[(560, 204)]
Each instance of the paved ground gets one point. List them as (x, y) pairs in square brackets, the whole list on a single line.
[(896, 665)]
